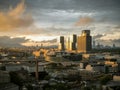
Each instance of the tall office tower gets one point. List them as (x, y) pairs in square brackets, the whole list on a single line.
[(84, 42), (71, 42), (68, 43), (62, 45), (74, 42)]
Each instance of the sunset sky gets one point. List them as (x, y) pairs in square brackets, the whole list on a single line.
[(43, 21)]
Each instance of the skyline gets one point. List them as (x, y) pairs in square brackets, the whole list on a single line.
[(23, 21)]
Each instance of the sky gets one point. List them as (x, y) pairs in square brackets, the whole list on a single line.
[(30, 22)]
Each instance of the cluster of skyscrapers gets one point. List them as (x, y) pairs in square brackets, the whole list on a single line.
[(82, 43)]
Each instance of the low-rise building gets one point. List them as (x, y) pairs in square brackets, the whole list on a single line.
[(9, 86), (112, 65), (111, 69), (88, 56), (83, 65), (116, 78), (32, 68), (4, 77), (5, 82), (13, 67), (95, 67)]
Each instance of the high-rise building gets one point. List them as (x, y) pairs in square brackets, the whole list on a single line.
[(68, 43), (84, 42), (71, 42), (62, 45), (74, 42)]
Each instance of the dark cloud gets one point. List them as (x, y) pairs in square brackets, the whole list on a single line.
[(49, 41), (103, 11), (109, 42), (98, 36), (6, 41), (116, 41), (76, 4), (6, 4), (84, 5), (108, 10), (58, 31)]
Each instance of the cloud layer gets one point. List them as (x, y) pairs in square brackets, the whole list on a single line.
[(84, 21), (60, 17), (15, 18), (6, 41)]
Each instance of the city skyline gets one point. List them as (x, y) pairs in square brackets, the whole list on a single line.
[(27, 21)]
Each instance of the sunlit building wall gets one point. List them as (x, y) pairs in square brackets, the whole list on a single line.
[(68, 43), (84, 42), (71, 42)]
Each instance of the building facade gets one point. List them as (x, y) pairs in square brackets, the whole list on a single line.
[(71, 42), (84, 42), (74, 42), (61, 44), (68, 44)]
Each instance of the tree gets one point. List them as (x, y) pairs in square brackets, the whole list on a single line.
[(16, 79), (59, 86), (105, 79)]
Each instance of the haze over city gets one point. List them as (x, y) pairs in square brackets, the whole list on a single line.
[(32, 22)]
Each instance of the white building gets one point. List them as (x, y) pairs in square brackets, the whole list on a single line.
[(13, 67), (32, 68)]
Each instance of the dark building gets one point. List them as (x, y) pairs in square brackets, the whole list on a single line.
[(74, 42), (84, 42), (62, 45)]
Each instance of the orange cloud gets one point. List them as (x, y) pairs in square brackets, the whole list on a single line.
[(19, 10), (15, 18), (84, 21)]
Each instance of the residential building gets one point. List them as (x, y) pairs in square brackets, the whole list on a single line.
[(96, 67)]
